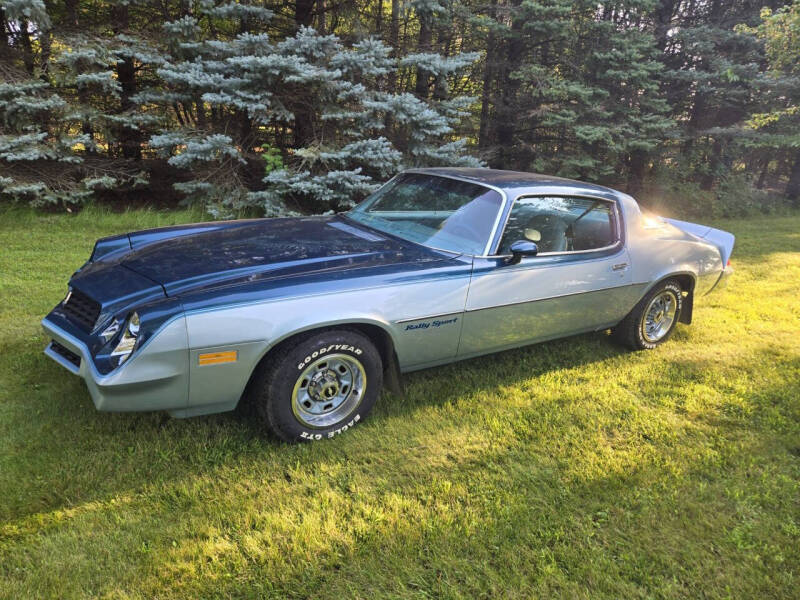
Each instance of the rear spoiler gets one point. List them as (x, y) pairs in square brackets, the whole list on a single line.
[(721, 239)]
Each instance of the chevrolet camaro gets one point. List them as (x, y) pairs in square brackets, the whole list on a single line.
[(307, 318)]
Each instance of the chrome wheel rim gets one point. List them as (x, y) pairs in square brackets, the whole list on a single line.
[(659, 316), (328, 390)]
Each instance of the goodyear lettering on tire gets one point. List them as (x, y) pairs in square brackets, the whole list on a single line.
[(332, 347)]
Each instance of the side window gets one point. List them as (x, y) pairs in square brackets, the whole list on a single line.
[(560, 224)]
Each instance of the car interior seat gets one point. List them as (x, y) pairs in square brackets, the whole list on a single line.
[(552, 232)]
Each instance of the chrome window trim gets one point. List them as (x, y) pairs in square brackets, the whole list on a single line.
[(617, 225), (617, 246)]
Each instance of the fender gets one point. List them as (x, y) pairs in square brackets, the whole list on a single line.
[(353, 322), (252, 335), (688, 302), (723, 240), (392, 376)]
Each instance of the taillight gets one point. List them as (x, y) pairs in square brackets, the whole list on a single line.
[(728, 264)]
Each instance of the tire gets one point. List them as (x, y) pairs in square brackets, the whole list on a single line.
[(318, 385), (653, 319)]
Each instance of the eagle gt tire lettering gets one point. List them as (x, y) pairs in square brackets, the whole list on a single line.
[(317, 386)]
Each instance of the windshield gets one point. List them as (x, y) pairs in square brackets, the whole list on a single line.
[(439, 212)]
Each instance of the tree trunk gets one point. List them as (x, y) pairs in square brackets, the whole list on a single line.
[(394, 42), (707, 181), (27, 47), (303, 13), (321, 17), (46, 44), (637, 167), (695, 121), (200, 112), (488, 80), (662, 22), (762, 176), (130, 139), (3, 31), (793, 187), (243, 123), (302, 125), (505, 121), (422, 86), (71, 7)]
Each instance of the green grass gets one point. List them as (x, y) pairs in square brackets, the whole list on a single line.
[(570, 469)]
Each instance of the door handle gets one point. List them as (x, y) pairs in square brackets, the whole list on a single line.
[(619, 267)]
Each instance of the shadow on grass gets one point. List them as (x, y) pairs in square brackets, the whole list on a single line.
[(660, 508), (510, 515), (63, 452)]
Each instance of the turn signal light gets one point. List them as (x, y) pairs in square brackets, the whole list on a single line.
[(216, 358)]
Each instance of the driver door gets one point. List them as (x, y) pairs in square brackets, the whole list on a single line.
[(579, 281)]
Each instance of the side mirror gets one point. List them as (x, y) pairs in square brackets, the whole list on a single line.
[(522, 248)]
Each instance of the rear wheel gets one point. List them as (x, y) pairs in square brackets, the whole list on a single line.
[(653, 319), (318, 385)]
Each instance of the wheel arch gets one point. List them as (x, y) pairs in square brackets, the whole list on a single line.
[(376, 332), (687, 280)]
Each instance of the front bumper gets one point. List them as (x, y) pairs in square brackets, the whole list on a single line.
[(156, 377)]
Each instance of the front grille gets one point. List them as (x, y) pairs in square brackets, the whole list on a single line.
[(81, 309), (66, 353)]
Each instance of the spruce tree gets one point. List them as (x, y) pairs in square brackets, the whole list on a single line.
[(249, 79), (777, 128)]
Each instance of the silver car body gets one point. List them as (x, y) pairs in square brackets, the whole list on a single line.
[(479, 306)]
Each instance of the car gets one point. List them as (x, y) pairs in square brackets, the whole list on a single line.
[(305, 318)]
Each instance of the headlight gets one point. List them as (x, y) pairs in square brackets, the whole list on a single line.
[(110, 331), (127, 343)]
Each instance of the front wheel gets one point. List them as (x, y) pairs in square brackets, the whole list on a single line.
[(318, 385), (653, 320)]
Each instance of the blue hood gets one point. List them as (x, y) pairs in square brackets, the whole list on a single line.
[(242, 251)]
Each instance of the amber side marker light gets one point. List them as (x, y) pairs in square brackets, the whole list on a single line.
[(216, 358)]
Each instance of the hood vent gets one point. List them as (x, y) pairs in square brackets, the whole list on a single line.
[(81, 310)]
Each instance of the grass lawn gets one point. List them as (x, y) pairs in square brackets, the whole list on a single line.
[(570, 469)]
